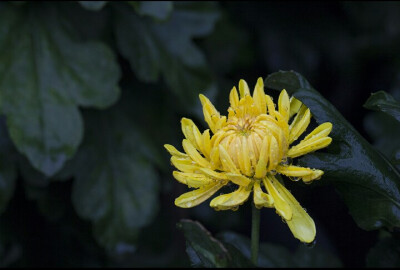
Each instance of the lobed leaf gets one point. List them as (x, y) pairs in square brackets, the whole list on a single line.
[(45, 74)]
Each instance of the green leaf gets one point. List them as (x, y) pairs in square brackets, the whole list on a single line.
[(273, 255), (206, 251), (159, 10), (386, 253), (93, 5), (384, 102), (167, 48), (8, 174), (368, 183), (384, 131), (59, 74), (115, 185)]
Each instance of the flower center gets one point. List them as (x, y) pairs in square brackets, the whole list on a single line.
[(244, 138)]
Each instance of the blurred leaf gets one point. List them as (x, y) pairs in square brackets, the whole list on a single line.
[(386, 253), (59, 73), (93, 5), (167, 48), (384, 102), (10, 250), (272, 255), (8, 174), (206, 251), (385, 131), (368, 183), (157, 9), (115, 186)]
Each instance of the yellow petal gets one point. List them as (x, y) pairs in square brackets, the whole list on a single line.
[(226, 161), (214, 174), (243, 88), (284, 105), (314, 176), (299, 124), (215, 158), (184, 164), (230, 200), (187, 130), (194, 155), (206, 142), (301, 224), (295, 105), (261, 199), (308, 146), (234, 98), (192, 179), (238, 179), (211, 115), (293, 171), (322, 130), (261, 168), (274, 153), (172, 150), (270, 105), (306, 174), (195, 197), (281, 206), (259, 97), (245, 159)]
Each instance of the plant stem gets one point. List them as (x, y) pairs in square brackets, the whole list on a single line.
[(255, 233)]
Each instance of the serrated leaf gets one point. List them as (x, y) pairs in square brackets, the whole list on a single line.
[(93, 5), (59, 74), (167, 48), (159, 10), (368, 183), (384, 102), (8, 173), (115, 186), (273, 255), (206, 251)]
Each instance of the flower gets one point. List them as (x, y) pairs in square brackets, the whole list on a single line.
[(248, 149)]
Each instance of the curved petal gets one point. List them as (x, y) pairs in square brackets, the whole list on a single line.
[(301, 224), (299, 124), (261, 199), (284, 105), (231, 200), (174, 152), (317, 139), (281, 206), (195, 180), (211, 115), (196, 197), (184, 164), (238, 179), (234, 98), (306, 174), (295, 105), (259, 97), (243, 89), (194, 154)]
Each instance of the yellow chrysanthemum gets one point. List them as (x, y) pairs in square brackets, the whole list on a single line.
[(248, 148)]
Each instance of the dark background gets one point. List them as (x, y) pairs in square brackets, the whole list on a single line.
[(346, 50)]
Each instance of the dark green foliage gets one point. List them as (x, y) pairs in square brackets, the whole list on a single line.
[(91, 90), (368, 183)]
